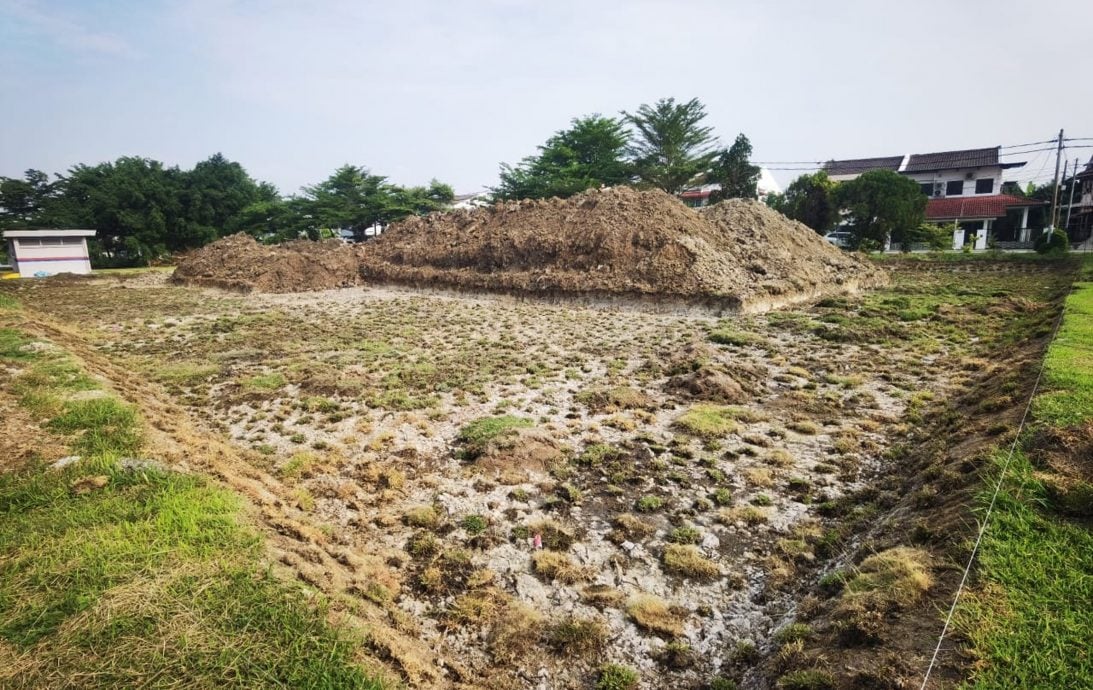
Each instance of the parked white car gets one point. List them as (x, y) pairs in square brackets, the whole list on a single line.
[(839, 238)]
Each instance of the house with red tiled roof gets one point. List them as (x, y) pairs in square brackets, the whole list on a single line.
[(964, 189)]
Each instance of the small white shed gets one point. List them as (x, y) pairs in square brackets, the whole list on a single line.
[(37, 253)]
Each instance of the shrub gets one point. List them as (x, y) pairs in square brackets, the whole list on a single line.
[(1054, 242)]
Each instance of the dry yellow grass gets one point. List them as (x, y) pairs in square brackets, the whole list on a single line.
[(897, 577), (688, 561), (554, 565), (655, 615)]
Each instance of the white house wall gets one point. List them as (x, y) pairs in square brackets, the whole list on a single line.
[(962, 174)]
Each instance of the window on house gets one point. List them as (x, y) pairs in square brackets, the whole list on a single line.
[(984, 186), (954, 188), (927, 188)]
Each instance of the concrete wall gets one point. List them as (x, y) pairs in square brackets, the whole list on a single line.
[(50, 255)]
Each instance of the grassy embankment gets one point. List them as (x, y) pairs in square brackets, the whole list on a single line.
[(1029, 620), (123, 574)]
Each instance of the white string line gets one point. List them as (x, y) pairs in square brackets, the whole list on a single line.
[(994, 497)]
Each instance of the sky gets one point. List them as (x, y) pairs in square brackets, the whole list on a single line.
[(449, 89)]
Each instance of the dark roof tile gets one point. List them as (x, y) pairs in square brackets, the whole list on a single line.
[(861, 165), (950, 160)]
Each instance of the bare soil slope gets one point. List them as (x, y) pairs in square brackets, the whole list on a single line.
[(618, 241)]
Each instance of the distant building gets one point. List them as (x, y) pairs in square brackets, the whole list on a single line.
[(697, 197), (38, 253), (963, 189), (472, 200), (1080, 227)]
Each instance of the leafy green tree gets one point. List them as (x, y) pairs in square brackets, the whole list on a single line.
[(590, 153), (811, 200), (739, 179), (352, 199), (24, 201), (214, 193), (881, 205), (405, 201), (670, 146)]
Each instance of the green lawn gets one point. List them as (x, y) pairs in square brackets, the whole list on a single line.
[(1029, 620)]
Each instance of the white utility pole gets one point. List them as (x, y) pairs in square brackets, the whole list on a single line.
[(1055, 192), (1073, 184)]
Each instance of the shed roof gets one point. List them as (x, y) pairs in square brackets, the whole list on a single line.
[(49, 233)]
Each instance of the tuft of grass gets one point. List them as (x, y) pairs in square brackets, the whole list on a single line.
[(580, 637), (554, 565), (616, 677), (298, 465), (727, 335), (649, 504), (804, 427), (654, 615), (708, 421), (477, 434), (474, 524), (899, 576), (687, 560), (424, 516), (810, 679), (265, 382)]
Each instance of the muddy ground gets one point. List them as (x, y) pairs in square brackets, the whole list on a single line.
[(511, 494)]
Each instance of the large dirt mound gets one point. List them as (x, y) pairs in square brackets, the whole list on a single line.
[(617, 241), (239, 262)]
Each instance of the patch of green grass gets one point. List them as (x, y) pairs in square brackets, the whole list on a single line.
[(1068, 367), (12, 344), (727, 335), (477, 434), (102, 426), (474, 524), (266, 382), (9, 302), (708, 421), (92, 585), (186, 373), (1029, 623), (615, 677)]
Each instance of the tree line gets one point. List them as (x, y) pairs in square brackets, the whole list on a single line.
[(143, 210), (666, 145)]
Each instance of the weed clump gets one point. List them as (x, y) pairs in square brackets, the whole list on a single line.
[(655, 615), (579, 637), (708, 421), (688, 561), (615, 677), (476, 435), (554, 565)]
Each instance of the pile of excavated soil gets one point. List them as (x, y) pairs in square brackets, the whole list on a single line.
[(603, 243), (618, 242), (239, 262)]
